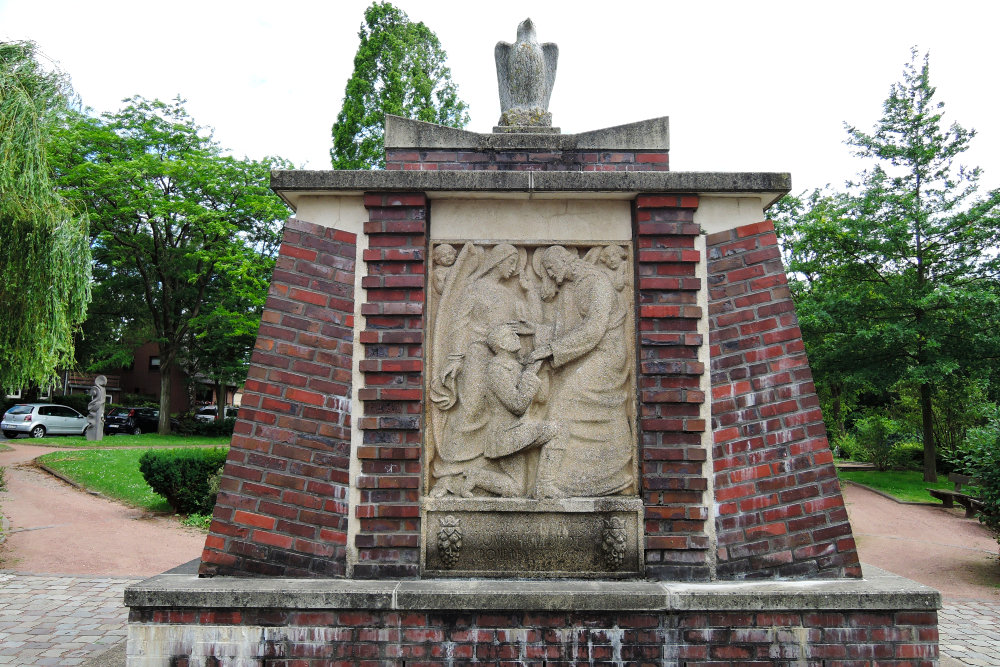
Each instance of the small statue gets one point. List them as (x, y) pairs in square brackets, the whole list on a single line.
[(95, 409), (526, 71)]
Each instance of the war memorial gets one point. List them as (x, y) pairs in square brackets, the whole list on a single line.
[(530, 398)]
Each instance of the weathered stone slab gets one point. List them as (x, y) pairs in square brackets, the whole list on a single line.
[(523, 537)]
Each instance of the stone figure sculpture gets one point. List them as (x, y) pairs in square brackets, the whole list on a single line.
[(474, 301), (444, 259), (526, 71), (511, 388), (95, 409), (592, 354), (530, 379)]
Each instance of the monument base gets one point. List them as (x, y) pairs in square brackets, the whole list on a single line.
[(181, 619), (583, 538)]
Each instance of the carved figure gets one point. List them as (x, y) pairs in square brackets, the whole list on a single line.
[(526, 72), (512, 387), (591, 356), (444, 258), (95, 409), (529, 378), (475, 300)]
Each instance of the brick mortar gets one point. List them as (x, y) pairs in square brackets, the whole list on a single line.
[(781, 512), (281, 508), (671, 386)]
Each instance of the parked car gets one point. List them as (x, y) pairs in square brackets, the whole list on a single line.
[(41, 419), (134, 421), (209, 412)]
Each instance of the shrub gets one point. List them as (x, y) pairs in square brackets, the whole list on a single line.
[(182, 476), (188, 425), (846, 447), (979, 456), (908, 455), (876, 438), (983, 462)]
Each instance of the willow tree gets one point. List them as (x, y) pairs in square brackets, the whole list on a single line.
[(399, 69), (44, 244)]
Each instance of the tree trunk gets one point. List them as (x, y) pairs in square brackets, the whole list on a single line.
[(165, 372), (927, 414), (220, 400)]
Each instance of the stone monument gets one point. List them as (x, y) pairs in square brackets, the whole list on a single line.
[(530, 398), (95, 409)]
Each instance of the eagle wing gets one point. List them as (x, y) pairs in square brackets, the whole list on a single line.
[(502, 56), (551, 54)]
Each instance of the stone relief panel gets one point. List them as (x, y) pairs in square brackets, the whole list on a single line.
[(530, 381)]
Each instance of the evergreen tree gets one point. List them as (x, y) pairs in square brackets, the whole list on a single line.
[(900, 273), (399, 69), (44, 252)]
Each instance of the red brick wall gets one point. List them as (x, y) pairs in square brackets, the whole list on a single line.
[(282, 507), (388, 514), (526, 160), (333, 637), (781, 513), (671, 454)]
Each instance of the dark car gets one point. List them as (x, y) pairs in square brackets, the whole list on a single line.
[(134, 421)]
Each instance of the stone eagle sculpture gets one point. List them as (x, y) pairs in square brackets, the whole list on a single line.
[(526, 71)]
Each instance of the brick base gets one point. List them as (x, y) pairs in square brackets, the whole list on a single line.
[(535, 638)]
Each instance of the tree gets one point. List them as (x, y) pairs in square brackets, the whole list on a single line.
[(399, 69), (44, 252), (221, 338), (893, 274), (171, 214)]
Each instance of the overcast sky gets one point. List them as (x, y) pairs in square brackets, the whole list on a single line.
[(748, 86)]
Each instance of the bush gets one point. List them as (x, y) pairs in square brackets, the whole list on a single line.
[(908, 455), (182, 476), (846, 446), (188, 425), (876, 436), (980, 457)]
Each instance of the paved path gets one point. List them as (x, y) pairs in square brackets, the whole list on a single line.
[(59, 619), (79, 619)]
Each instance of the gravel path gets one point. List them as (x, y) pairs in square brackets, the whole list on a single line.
[(55, 528)]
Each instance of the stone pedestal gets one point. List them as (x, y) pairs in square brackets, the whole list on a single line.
[(180, 619)]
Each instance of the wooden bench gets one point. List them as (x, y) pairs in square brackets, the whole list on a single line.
[(949, 498)]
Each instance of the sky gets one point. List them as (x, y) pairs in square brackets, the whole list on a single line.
[(748, 86)]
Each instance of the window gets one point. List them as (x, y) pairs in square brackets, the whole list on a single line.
[(154, 363)]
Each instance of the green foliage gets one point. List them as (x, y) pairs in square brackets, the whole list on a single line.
[(111, 472), (199, 521), (3, 478), (179, 226), (188, 425), (980, 458), (846, 446), (905, 485), (876, 436), (399, 69), (182, 476), (892, 284), (44, 252)]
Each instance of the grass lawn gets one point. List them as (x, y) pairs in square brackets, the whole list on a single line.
[(144, 440), (906, 485), (111, 472)]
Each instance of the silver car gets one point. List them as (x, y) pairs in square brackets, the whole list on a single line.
[(41, 419)]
